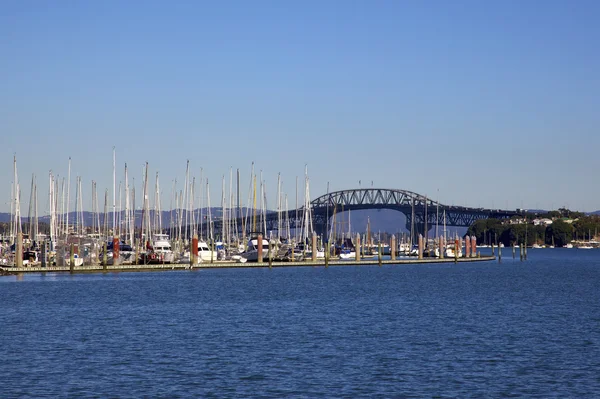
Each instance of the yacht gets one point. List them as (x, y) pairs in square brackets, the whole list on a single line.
[(161, 249), (251, 253)]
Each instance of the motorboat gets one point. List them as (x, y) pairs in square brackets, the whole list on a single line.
[(251, 253)]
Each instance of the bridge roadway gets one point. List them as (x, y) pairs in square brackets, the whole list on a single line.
[(417, 208)]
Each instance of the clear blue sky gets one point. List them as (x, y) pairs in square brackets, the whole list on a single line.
[(479, 103)]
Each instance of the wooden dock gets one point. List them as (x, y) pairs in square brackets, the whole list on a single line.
[(8, 270)]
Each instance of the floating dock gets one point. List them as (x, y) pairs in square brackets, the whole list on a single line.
[(8, 270)]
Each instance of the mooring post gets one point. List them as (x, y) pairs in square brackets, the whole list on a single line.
[(104, 255), (525, 250), (499, 253), (327, 253), (357, 248), (513, 251), (493, 252), (420, 249), (467, 246), (115, 250), (457, 247), (393, 248), (379, 253), (441, 247), (44, 254), (19, 251), (314, 247), (473, 246), (270, 254), (194, 251), (72, 258), (521, 252), (259, 241)]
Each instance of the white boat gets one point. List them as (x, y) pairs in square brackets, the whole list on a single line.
[(205, 254), (347, 254), (569, 245), (251, 253), (161, 247), (451, 253)]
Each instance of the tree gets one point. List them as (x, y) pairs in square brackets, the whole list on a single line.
[(561, 232)]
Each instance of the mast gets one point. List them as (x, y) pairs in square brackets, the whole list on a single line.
[(279, 204), (68, 198), (114, 204)]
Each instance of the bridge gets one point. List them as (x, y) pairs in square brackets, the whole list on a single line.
[(421, 212)]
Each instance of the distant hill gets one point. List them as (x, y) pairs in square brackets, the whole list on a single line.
[(382, 220)]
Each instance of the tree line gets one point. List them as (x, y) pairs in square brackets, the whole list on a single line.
[(566, 227)]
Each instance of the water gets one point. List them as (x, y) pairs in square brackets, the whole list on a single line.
[(513, 329)]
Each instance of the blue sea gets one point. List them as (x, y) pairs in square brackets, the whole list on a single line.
[(482, 330)]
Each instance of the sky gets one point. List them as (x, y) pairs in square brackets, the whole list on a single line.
[(490, 104)]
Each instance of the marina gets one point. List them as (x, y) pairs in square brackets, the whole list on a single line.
[(226, 264)]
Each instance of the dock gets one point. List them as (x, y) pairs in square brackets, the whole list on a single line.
[(9, 270)]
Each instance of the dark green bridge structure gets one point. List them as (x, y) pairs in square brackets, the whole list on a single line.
[(420, 211)]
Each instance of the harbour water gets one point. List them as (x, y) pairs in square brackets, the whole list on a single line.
[(509, 329)]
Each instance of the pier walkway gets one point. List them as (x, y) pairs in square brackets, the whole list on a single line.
[(218, 265)]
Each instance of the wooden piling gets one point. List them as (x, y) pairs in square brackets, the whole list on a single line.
[(420, 250), (473, 246), (493, 251), (521, 252), (327, 253), (72, 259), (393, 248), (513, 251), (457, 247), (259, 248), (467, 247), (499, 253), (379, 253), (194, 251), (357, 248), (314, 247), (104, 256), (19, 251), (115, 250), (270, 254)]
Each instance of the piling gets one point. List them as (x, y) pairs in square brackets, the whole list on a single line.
[(499, 253), (493, 252), (194, 251), (212, 251), (357, 248), (314, 247), (521, 252), (420, 250), (457, 247), (441, 247), (44, 254), (327, 253), (393, 248), (19, 251), (525, 251), (467, 246), (72, 258), (270, 254), (115, 250), (473, 246), (514, 250), (104, 260), (379, 254), (259, 249)]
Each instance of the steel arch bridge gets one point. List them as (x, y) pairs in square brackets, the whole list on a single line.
[(420, 211)]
